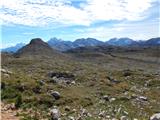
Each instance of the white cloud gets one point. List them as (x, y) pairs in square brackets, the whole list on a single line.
[(117, 9), (28, 33), (55, 12), (135, 30)]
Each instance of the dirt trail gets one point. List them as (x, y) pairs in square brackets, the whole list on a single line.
[(7, 112)]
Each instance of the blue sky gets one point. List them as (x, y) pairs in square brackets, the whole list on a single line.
[(23, 20)]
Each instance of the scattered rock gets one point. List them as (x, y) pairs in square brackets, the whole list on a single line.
[(9, 107), (125, 112), (37, 90), (127, 73), (6, 75), (67, 108), (141, 98), (155, 116), (62, 77), (112, 99), (123, 118), (56, 95), (83, 112), (133, 96), (114, 119), (73, 82), (21, 87), (101, 114), (41, 82), (55, 113), (60, 74), (106, 97), (112, 80), (6, 71), (74, 110), (71, 118)]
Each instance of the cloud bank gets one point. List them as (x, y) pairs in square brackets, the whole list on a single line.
[(65, 12)]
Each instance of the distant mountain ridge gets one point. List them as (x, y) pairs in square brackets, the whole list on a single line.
[(13, 48), (62, 45), (66, 45), (121, 41)]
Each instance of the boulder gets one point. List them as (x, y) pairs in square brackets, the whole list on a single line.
[(55, 113), (6, 71), (56, 95), (155, 116)]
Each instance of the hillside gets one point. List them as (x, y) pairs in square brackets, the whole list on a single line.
[(88, 83)]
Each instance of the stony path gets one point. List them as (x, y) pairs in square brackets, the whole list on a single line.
[(7, 113)]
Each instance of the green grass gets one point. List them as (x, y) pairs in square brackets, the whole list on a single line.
[(91, 85)]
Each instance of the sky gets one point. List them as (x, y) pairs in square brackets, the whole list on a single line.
[(22, 20)]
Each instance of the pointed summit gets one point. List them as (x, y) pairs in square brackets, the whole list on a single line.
[(36, 47), (36, 41)]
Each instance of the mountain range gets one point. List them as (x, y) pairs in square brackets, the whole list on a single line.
[(62, 45)]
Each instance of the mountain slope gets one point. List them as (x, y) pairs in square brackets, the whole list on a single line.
[(153, 41)]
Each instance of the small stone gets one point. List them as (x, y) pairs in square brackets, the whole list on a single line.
[(143, 98), (89, 115), (114, 119), (102, 114), (73, 82), (125, 112), (84, 112), (71, 118), (41, 82), (108, 116), (106, 97), (74, 110), (112, 99), (123, 118), (135, 119)]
